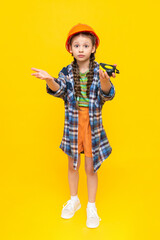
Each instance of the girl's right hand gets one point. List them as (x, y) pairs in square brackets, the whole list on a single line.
[(41, 74)]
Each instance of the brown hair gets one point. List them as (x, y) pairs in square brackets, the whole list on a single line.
[(89, 75)]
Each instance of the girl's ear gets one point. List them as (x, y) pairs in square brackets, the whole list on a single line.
[(70, 49), (93, 49)]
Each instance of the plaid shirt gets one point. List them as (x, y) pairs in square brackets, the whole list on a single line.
[(101, 148)]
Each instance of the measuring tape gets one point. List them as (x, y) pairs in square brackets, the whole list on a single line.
[(108, 68)]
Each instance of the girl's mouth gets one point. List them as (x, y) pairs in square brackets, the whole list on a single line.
[(80, 55)]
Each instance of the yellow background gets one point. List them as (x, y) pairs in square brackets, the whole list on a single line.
[(34, 170)]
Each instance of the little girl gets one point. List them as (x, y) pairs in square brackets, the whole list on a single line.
[(84, 89)]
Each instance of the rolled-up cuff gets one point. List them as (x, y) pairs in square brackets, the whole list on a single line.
[(54, 93), (110, 94)]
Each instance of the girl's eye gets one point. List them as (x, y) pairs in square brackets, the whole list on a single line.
[(77, 45)]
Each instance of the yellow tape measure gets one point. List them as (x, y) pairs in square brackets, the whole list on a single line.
[(108, 68)]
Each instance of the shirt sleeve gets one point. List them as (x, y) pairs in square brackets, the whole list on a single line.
[(61, 92), (106, 97)]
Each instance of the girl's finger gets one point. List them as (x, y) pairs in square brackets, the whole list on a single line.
[(36, 75), (100, 73), (35, 69), (103, 76), (106, 74)]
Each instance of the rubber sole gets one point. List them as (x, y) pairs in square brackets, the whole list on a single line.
[(65, 217), (89, 226)]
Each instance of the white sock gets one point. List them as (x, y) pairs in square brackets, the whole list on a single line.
[(74, 198), (90, 204)]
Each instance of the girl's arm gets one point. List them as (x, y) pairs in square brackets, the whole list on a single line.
[(57, 87), (109, 95), (106, 87), (52, 84)]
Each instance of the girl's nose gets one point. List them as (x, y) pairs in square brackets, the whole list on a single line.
[(81, 49)]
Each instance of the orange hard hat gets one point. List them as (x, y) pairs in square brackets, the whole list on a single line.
[(81, 28)]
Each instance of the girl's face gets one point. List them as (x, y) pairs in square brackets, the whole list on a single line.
[(81, 45)]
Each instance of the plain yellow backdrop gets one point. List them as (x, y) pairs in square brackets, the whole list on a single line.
[(34, 170)]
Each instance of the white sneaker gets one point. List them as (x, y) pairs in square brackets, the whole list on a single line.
[(70, 208), (92, 217)]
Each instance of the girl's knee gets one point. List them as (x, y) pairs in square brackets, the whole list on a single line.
[(89, 169)]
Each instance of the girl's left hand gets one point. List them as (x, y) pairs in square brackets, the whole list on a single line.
[(104, 75)]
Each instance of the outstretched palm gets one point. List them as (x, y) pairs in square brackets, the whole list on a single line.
[(41, 74)]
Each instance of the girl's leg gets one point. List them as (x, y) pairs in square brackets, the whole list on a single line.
[(73, 176), (92, 179)]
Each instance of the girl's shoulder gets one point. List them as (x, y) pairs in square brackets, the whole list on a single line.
[(65, 70)]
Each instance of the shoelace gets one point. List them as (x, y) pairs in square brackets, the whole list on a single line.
[(93, 213), (68, 205)]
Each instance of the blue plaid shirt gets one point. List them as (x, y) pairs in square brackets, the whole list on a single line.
[(101, 148)]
